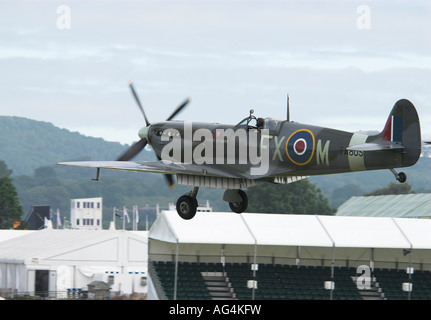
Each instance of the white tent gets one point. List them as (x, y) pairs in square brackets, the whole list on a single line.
[(280, 238), (74, 258)]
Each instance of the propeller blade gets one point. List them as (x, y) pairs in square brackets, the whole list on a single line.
[(168, 177), (138, 102), (170, 180), (179, 108), (133, 150)]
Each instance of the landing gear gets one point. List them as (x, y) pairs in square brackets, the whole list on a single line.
[(186, 207), (238, 200), (187, 204), (401, 177)]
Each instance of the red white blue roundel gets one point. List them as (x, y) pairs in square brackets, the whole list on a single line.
[(300, 147)]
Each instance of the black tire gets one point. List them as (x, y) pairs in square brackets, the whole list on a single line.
[(402, 177), (240, 207), (186, 207)]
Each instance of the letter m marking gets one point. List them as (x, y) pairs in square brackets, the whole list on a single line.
[(322, 154)]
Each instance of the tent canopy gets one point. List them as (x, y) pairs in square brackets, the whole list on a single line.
[(293, 230), (49, 246)]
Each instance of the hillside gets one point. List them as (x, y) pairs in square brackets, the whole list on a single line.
[(28, 144), (32, 148)]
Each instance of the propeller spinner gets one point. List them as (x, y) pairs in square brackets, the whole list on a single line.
[(143, 134)]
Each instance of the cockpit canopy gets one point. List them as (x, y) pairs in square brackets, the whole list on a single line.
[(251, 122)]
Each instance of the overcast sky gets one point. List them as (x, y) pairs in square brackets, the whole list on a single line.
[(343, 63)]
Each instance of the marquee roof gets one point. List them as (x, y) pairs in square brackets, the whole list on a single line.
[(293, 230), (74, 247)]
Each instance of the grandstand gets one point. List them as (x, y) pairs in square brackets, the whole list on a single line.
[(288, 257)]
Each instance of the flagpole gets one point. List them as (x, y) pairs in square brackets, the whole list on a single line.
[(58, 219), (124, 218), (137, 217), (146, 217), (113, 216), (133, 218)]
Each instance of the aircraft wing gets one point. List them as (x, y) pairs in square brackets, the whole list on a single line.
[(374, 146), (162, 166)]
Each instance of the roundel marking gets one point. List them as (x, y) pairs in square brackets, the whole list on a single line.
[(300, 147)]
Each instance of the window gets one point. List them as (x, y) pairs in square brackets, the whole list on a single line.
[(77, 222), (77, 204)]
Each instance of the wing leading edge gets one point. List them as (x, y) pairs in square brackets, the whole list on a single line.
[(165, 167)]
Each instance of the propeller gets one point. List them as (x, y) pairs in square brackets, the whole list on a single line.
[(133, 150), (138, 102), (140, 145)]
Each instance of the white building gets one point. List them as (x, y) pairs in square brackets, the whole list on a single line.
[(86, 214)]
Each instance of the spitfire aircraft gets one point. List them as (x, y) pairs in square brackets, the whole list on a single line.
[(234, 157)]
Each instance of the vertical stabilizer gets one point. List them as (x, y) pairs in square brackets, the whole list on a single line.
[(403, 127)]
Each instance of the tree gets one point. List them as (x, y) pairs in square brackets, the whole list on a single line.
[(10, 209), (300, 197), (4, 171), (344, 193), (393, 188)]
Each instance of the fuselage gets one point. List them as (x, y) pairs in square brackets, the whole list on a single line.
[(291, 148)]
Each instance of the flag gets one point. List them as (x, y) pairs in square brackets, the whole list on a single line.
[(58, 218), (136, 215), (117, 214), (126, 215)]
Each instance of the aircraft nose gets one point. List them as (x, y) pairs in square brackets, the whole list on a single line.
[(143, 133)]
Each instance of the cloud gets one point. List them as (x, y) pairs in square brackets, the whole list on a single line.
[(229, 56)]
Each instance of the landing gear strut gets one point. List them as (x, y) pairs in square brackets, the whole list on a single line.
[(187, 204), (401, 177)]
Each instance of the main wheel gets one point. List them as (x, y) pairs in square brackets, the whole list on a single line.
[(239, 207), (186, 207)]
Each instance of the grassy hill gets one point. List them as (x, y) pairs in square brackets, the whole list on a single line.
[(28, 144)]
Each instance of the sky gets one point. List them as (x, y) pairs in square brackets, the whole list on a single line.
[(344, 64)]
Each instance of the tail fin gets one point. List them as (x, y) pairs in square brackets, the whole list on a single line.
[(403, 127)]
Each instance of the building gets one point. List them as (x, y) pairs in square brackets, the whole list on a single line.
[(86, 214), (62, 263)]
